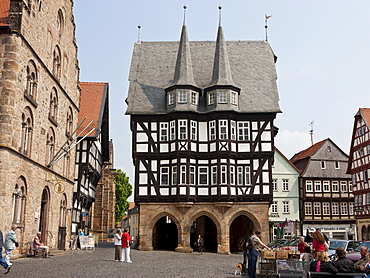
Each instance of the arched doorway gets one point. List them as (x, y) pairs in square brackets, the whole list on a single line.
[(165, 234), (44, 214), (240, 229), (205, 227)]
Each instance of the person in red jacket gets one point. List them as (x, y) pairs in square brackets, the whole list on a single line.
[(126, 246), (318, 243)]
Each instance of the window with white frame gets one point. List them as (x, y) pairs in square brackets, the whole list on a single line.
[(222, 97), (351, 206), (243, 131), (326, 186), (343, 186), (285, 185), (182, 174), (335, 208), (193, 130), (335, 186), (285, 206), (192, 175), (174, 175), (164, 175), (274, 207), (183, 128), (308, 208), (239, 176), (194, 98), (234, 98), (214, 174), (223, 129), (361, 152), (211, 98), (233, 130), (19, 201), (349, 186), (325, 208), (308, 186), (203, 175), (317, 186), (164, 131), (182, 96), (223, 174), (232, 175), (317, 208), (172, 130), (343, 209), (274, 185), (212, 130), (365, 175), (336, 165), (247, 173), (171, 98), (323, 165)]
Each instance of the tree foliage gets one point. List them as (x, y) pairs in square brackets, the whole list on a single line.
[(123, 192)]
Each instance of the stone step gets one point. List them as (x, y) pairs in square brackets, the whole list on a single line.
[(56, 252)]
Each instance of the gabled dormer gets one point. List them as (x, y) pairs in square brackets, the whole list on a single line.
[(183, 93), (222, 94)]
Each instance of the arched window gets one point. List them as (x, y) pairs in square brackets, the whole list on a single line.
[(53, 107), (69, 124), (19, 202), (67, 163), (63, 211), (50, 145), (60, 22), (31, 88), (26, 134), (56, 62)]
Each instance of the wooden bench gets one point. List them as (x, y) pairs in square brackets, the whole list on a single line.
[(37, 251), (338, 275)]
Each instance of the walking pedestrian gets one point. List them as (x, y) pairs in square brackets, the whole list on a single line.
[(2, 261), (253, 254), (10, 243), (118, 245), (200, 243), (126, 246)]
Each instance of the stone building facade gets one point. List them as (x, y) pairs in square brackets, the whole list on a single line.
[(39, 95)]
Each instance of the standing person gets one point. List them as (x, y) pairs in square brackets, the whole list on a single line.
[(200, 243), (318, 243), (253, 254), (2, 261), (246, 251), (302, 248), (343, 264), (37, 243), (10, 243), (327, 241), (118, 245), (126, 246)]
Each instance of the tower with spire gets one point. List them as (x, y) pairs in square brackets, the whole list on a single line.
[(202, 122)]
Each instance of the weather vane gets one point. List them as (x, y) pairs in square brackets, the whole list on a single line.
[(138, 32), (220, 8), (311, 131), (266, 26)]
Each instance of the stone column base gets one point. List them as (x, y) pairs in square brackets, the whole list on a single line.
[(141, 248), (184, 249)]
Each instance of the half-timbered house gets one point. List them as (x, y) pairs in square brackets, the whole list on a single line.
[(326, 197), (202, 115), (359, 168), (91, 152)]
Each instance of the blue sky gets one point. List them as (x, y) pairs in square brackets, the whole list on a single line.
[(323, 50)]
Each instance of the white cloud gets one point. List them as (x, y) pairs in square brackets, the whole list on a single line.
[(292, 142)]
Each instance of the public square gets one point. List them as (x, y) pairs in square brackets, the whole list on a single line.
[(100, 263)]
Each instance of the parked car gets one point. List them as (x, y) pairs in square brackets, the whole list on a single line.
[(347, 245), (277, 243), (291, 244), (355, 255)]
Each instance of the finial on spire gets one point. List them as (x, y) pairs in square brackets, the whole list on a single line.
[(184, 13), (138, 32), (266, 26), (220, 8)]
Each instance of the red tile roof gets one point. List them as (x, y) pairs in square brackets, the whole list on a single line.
[(4, 12), (92, 96), (366, 115), (308, 152)]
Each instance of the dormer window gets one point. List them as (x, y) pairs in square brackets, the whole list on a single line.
[(194, 98), (222, 97), (211, 98), (323, 165), (171, 98), (234, 98), (182, 97)]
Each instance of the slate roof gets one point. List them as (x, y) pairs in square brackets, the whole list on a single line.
[(252, 66), (4, 12), (93, 96)]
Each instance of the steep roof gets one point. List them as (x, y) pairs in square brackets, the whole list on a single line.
[(291, 164), (4, 12), (365, 113), (308, 152), (252, 66), (93, 97)]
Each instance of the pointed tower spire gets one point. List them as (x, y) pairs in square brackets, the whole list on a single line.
[(221, 67), (184, 67)]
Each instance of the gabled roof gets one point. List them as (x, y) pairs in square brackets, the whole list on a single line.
[(291, 164), (365, 113), (4, 12), (93, 98), (308, 152)]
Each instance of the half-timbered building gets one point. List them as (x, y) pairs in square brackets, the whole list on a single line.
[(91, 152), (202, 122), (326, 197), (359, 168)]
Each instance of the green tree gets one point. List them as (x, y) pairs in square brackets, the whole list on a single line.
[(123, 192)]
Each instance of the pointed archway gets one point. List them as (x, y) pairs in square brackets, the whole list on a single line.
[(165, 234), (44, 214), (240, 229), (205, 227)]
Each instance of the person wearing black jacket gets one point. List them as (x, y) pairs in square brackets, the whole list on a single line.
[(342, 263), (322, 264)]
